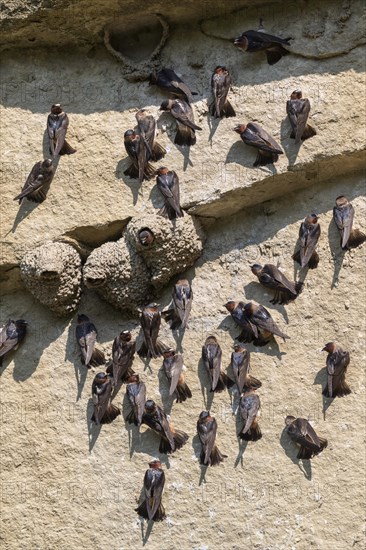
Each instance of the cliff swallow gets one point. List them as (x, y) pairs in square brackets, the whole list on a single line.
[(256, 41), (168, 80), (168, 184), (183, 114), (206, 430), (309, 235), (170, 439), (220, 84), (149, 149), (337, 363), (123, 351), (255, 321), (86, 336), (271, 277), (132, 142), (302, 433), (57, 124), (173, 369), (343, 214), (102, 388), (211, 356), (253, 135), (11, 335), (150, 320), (182, 303), (39, 179), (249, 408), (146, 237), (136, 393), (240, 362), (151, 507), (298, 109)]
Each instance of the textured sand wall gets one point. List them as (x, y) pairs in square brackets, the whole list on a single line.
[(65, 484)]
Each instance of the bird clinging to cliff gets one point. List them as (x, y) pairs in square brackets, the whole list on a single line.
[(220, 85), (123, 351), (151, 507), (298, 109), (168, 80), (337, 363), (256, 41), (136, 394), (343, 214), (240, 363), (173, 370), (309, 235), (249, 409), (171, 439), (102, 388), (11, 335), (38, 180), (167, 182), (183, 114), (211, 356), (182, 302), (135, 149), (206, 430), (148, 149), (303, 434), (57, 124), (271, 277), (150, 320), (255, 136), (86, 336)]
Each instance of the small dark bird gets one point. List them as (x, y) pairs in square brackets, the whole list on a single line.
[(343, 214), (298, 109), (182, 303), (253, 135), (240, 362), (220, 85), (86, 336), (57, 124), (337, 363), (173, 369), (132, 142), (309, 235), (102, 389), (206, 429), (149, 149), (168, 184), (249, 407), (183, 114), (255, 321), (136, 393), (150, 320), (211, 356), (170, 439), (11, 335), (123, 352), (168, 80), (257, 41), (151, 507), (37, 182), (271, 277), (302, 433), (146, 237)]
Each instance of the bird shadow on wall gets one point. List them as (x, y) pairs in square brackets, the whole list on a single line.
[(133, 184), (164, 120), (73, 355), (291, 451), (197, 449), (146, 442), (292, 149), (336, 251), (93, 428), (239, 153), (321, 379), (205, 382)]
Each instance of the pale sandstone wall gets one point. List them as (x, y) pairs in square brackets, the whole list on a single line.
[(66, 486)]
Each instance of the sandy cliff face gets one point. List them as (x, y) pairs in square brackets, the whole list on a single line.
[(66, 484)]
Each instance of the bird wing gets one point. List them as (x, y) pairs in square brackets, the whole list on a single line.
[(168, 186), (182, 111), (263, 37), (163, 421), (8, 338), (177, 366), (154, 481), (220, 87), (263, 320), (214, 354), (256, 136), (240, 364), (281, 282), (343, 218), (309, 235), (305, 435), (140, 400), (33, 182), (101, 399)]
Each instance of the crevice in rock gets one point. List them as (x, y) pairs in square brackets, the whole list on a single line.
[(92, 236)]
